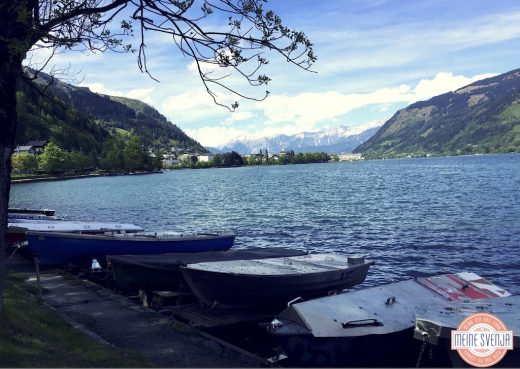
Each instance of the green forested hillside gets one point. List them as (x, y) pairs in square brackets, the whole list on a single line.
[(479, 118), (108, 114), (41, 118)]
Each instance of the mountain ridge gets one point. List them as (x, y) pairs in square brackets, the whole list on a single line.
[(481, 117), (333, 141), (119, 115)]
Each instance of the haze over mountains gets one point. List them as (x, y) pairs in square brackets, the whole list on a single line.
[(332, 141)]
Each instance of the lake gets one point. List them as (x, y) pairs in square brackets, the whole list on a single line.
[(413, 216)]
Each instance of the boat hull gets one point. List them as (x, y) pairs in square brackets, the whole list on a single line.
[(162, 272), (62, 248), (397, 349), (229, 290)]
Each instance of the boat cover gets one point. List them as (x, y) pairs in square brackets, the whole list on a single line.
[(167, 261), (290, 265), (383, 309), (440, 319), (474, 286)]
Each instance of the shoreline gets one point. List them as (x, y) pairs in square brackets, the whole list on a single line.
[(94, 175), (79, 176)]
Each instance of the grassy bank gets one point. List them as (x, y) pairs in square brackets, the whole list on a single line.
[(33, 335)]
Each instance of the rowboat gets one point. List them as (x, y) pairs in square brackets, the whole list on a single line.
[(17, 228), (48, 212), (372, 326), (32, 214), (435, 323), (14, 217), (60, 248), (272, 282), (72, 226), (162, 272)]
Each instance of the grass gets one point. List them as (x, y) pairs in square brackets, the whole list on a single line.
[(26, 176), (33, 335)]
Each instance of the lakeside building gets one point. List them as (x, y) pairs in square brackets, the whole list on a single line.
[(350, 157), (206, 158), (191, 157), (170, 160), (25, 150), (31, 147)]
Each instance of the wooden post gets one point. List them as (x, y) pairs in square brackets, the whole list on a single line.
[(37, 267)]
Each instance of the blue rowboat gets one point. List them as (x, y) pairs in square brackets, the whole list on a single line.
[(55, 248)]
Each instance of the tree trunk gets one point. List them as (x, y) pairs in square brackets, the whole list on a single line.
[(8, 129), (16, 30)]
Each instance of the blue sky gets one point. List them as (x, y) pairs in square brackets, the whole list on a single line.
[(374, 57)]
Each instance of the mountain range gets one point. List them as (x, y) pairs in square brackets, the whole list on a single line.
[(332, 141), (479, 118)]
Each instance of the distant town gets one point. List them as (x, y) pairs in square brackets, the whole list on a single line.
[(46, 158)]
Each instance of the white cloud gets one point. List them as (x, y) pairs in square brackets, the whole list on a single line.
[(240, 116), (284, 114), (308, 109), (405, 43), (143, 94), (214, 136), (193, 107), (443, 82), (205, 67), (187, 102), (101, 89)]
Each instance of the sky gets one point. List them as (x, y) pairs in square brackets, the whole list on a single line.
[(374, 57)]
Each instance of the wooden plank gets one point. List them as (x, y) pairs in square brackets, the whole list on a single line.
[(163, 298), (206, 318)]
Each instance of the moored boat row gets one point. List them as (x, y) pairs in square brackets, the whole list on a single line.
[(317, 321)]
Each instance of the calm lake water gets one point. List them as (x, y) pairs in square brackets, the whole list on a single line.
[(413, 216)]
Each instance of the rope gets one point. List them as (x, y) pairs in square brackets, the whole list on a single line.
[(423, 347)]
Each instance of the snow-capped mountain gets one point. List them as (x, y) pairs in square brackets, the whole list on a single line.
[(342, 139)]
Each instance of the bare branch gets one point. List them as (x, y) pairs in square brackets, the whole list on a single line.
[(238, 50), (81, 11)]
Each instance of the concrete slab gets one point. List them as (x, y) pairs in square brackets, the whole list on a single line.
[(118, 321)]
